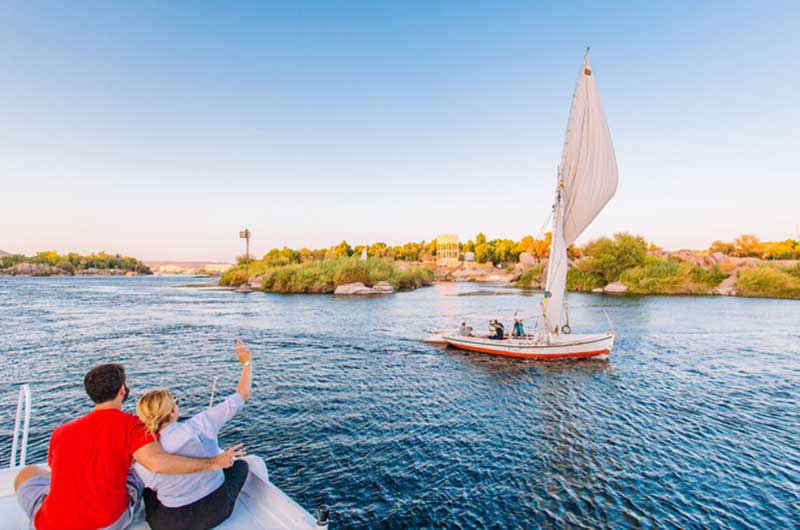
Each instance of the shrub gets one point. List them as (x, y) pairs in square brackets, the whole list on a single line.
[(660, 276), (582, 280), (655, 276), (530, 278), (768, 281), (324, 276), (609, 258), (711, 277)]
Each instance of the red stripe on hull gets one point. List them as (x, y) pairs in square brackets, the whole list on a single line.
[(540, 356)]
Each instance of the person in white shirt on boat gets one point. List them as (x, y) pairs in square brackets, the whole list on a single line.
[(466, 331), (195, 500)]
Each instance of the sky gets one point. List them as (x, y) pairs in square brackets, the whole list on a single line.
[(160, 129)]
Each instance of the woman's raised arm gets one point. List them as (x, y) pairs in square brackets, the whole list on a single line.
[(246, 379)]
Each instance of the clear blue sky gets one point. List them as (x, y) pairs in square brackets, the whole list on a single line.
[(160, 129)]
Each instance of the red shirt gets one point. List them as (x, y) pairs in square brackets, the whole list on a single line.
[(89, 459)]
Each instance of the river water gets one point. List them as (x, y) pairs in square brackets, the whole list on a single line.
[(693, 422)]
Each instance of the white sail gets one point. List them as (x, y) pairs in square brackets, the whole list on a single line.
[(552, 305), (587, 181), (588, 164)]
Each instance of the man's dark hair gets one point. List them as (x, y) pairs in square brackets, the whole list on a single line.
[(103, 382)]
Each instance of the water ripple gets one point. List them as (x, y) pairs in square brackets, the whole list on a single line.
[(693, 423)]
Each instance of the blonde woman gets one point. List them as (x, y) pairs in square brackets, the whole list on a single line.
[(193, 500)]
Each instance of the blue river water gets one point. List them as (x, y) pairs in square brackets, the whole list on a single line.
[(693, 422)]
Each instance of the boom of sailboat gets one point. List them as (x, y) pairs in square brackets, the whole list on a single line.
[(586, 180)]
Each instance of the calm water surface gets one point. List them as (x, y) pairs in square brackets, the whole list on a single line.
[(693, 423)]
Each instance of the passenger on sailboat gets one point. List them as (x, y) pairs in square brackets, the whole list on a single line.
[(199, 500), (91, 485), (496, 330), (466, 331), (519, 331)]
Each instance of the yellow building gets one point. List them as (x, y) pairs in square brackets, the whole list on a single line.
[(447, 249)]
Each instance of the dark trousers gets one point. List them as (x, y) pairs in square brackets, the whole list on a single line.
[(206, 513)]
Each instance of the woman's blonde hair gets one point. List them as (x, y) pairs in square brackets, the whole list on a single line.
[(154, 408)]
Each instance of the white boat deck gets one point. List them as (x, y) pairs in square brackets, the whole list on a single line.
[(261, 505)]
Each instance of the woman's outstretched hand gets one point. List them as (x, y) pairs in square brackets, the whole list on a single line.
[(226, 458), (242, 351)]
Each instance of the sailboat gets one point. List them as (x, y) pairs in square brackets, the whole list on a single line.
[(587, 180)]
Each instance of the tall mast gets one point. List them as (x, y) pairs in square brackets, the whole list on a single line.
[(587, 179)]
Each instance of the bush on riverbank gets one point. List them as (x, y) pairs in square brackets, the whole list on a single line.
[(609, 258), (530, 279), (770, 281), (324, 276), (669, 276), (583, 281)]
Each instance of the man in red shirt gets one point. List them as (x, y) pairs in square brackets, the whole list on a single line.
[(90, 483)]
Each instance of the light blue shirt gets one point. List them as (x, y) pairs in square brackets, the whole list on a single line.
[(195, 437)]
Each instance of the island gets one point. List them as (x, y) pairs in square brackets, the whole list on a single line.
[(622, 264), (51, 263)]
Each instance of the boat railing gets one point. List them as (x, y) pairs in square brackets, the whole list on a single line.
[(20, 440)]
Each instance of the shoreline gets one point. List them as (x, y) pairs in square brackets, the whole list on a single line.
[(503, 284)]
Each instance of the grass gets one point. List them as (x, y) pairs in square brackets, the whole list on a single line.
[(583, 281), (770, 281), (324, 276), (665, 276), (794, 271)]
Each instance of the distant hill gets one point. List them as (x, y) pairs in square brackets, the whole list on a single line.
[(3, 253)]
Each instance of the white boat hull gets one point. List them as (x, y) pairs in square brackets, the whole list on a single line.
[(260, 505), (538, 348)]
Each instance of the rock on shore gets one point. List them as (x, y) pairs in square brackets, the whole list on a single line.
[(31, 269), (477, 272), (359, 289), (615, 288), (728, 286)]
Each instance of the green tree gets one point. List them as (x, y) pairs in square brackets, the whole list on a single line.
[(342, 250), (379, 250), (484, 253), (525, 244), (781, 250), (65, 265), (541, 247), (480, 239), (46, 257), (609, 258), (720, 246), (748, 246), (505, 250), (411, 251)]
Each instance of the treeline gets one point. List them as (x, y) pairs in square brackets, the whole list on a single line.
[(749, 246), (486, 251), (73, 262), (508, 250), (645, 269)]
